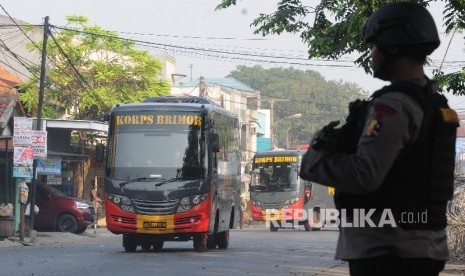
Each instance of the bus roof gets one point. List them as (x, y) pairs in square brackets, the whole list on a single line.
[(173, 105), (279, 153)]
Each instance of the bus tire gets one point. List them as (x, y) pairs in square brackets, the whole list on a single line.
[(200, 242), (309, 228), (222, 239), (145, 244), (129, 243), (316, 220), (211, 241), (158, 245), (273, 228)]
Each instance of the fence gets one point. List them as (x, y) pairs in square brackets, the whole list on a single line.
[(456, 220)]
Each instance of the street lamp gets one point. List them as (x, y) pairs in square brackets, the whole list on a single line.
[(293, 116)]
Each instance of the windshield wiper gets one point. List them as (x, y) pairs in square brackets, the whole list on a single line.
[(166, 181), (174, 179), (124, 183)]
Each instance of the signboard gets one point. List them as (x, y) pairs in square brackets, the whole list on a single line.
[(39, 143), (22, 128), (275, 159), (49, 166), (22, 162)]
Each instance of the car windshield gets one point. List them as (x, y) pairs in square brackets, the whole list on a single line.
[(53, 191), (165, 149), (274, 177)]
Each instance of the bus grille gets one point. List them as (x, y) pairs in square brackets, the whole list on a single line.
[(269, 205), (150, 207)]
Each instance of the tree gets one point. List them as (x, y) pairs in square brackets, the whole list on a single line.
[(92, 69), (337, 27), (318, 100)]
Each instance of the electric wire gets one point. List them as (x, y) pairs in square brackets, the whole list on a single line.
[(19, 27), (8, 64), (77, 74), (17, 57), (202, 50)]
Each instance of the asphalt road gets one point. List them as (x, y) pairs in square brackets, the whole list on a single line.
[(251, 252)]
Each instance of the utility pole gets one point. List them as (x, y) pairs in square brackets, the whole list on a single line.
[(202, 87), (39, 120)]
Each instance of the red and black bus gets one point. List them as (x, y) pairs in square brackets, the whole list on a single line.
[(172, 173), (278, 194)]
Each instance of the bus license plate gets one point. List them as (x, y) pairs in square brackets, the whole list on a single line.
[(155, 224)]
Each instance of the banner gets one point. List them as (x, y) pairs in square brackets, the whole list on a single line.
[(22, 128), (39, 143), (22, 162), (49, 166)]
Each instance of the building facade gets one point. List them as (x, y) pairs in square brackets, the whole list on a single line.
[(234, 96)]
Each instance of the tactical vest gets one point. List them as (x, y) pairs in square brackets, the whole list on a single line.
[(421, 179)]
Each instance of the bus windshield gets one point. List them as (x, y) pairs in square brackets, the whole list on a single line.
[(167, 146), (274, 177)]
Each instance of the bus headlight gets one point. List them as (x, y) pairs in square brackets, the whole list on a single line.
[(290, 202), (256, 203), (123, 202), (188, 202)]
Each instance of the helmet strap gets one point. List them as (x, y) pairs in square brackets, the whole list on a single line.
[(386, 68)]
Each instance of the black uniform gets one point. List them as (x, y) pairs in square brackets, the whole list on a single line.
[(393, 123)]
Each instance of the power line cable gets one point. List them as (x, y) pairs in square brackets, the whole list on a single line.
[(14, 55), (25, 34), (17, 57), (193, 37), (76, 72), (19, 27), (158, 45), (164, 46), (291, 99), (9, 65)]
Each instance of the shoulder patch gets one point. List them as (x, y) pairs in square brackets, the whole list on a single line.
[(449, 116), (382, 110)]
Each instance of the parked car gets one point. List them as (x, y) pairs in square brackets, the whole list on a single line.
[(60, 212)]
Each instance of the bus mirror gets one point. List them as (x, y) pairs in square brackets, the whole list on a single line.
[(99, 152), (106, 117), (215, 142)]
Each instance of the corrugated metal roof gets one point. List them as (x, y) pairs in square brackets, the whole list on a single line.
[(225, 82)]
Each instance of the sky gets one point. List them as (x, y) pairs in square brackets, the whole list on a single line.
[(182, 27)]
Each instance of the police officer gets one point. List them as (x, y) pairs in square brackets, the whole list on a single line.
[(391, 185)]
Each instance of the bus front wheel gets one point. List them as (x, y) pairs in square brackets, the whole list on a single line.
[(222, 239), (316, 220), (157, 245), (129, 243), (212, 241), (200, 242), (273, 228)]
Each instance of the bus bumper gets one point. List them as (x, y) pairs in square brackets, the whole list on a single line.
[(293, 212), (196, 220)]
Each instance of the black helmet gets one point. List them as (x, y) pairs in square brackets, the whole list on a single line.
[(401, 25)]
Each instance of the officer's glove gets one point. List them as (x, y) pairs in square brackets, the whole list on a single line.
[(318, 149), (324, 138)]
